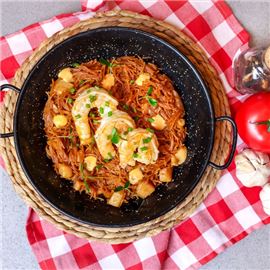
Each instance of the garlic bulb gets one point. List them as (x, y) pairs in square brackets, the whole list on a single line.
[(265, 198), (252, 168)]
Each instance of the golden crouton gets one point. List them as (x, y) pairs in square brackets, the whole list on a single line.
[(117, 198), (144, 189), (135, 176)]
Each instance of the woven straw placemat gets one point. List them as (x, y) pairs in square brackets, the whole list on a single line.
[(220, 150)]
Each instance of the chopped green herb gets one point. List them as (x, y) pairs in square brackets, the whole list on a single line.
[(107, 103), (115, 136), (110, 157), (110, 113), (99, 166), (144, 148), (131, 81), (75, 65), (88, 105), (152, 102), (101, 110), (125, 107), (72, 90), (95, 121), (151, 120), (147, 140), (92, 98), (109, 137), (97, 87), (105, 62), (86, 186), (150, 130), (136, 118), (135, 155), (134, 109), (130, 129), (70, 100), (91, 114), (150, 90), (127, 184), (78, 116), (89, 91), (83, 177), (119, 188), (81, 82)]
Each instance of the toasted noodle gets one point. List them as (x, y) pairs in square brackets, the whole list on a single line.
[(63, 144)]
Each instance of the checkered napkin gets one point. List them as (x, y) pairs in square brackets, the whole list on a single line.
[(228, 214)]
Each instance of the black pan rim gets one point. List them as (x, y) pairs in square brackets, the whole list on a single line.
[(188, 191)]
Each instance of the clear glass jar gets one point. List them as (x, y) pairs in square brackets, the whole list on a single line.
[(252, 70)]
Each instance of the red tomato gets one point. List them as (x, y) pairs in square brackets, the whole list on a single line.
[(253, 121)]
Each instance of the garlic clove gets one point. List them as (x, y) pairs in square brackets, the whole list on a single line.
[(265, 198), (252, 168)]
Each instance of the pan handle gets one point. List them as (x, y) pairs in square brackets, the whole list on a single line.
[(17, 90), (233, 147)]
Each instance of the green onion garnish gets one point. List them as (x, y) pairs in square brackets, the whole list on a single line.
[(152, 102), (72, 90), (75, 65), (70, 100), (147, 140), (115, 136), (150, 90), (125, 107), (99, 166), (101, 110), (92, 98), (119, 188), (150, 130), (105, 62)]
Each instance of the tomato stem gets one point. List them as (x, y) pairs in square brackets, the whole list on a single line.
[(267, 123)]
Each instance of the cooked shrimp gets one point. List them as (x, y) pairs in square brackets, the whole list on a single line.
[(90, 98), (141, 145), (117, 125)]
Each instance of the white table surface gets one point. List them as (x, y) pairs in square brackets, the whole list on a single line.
[(253, 252)]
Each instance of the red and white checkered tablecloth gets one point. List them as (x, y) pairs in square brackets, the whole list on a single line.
[(228, 214)]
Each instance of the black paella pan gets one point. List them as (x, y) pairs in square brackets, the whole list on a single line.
[(30, 140)]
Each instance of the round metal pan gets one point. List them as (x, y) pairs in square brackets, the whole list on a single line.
[(30, 139)]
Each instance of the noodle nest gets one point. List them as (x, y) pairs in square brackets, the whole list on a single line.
[(146, 96)]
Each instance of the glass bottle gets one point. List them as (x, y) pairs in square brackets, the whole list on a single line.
[(252, 70)]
